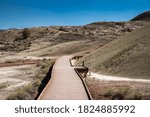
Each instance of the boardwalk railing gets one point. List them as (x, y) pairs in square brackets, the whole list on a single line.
[(85, 86), (82, 73), (55, 88)]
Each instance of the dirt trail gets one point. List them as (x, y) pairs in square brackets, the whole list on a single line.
[(65, 83)]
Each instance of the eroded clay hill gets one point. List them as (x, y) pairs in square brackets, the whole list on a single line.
[(128, 56), (84, 38)]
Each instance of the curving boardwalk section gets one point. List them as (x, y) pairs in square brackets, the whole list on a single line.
[(65, 84)]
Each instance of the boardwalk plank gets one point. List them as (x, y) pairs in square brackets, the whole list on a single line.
[(65, 83)]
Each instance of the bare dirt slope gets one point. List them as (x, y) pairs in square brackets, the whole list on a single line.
[(142, 17), (128, 56)]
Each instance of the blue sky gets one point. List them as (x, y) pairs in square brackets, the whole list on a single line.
[(29, 13)]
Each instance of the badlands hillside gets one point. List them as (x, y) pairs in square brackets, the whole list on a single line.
[(127, 56), (57, 41)]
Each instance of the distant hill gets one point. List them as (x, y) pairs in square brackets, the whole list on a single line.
[(142, 17), (128, 56), (2, 30), (93, 36)]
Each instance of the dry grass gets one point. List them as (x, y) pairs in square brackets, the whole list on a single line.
[(44, 68), (23, 93), (123, 93), (118, 90), (4, 85), (30, 91)]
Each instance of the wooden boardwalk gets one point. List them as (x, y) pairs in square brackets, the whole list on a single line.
[(65, 84)]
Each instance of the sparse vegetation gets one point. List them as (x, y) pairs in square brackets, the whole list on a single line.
[(122, 93), (44, 68), (118, 90), (18, 40), (9, 61), (23, 93), (25, 33), (3, 85), (30, 91), (63, 29)]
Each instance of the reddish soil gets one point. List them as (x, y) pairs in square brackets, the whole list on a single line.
[(18, 63), (99, 88)]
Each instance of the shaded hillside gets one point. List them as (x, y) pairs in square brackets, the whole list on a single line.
[(128, 56), (142, 17)]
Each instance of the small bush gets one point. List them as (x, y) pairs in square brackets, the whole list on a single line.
[(25, 33), (3, 85), (22, 93), (123, 93), (9, 61), (135, 95), (62, 29)]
